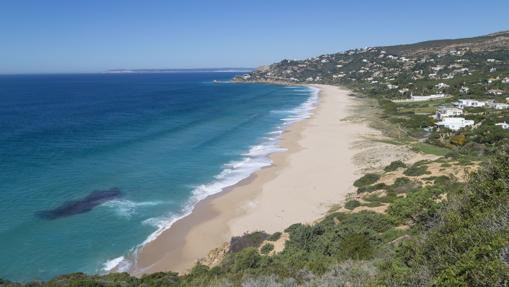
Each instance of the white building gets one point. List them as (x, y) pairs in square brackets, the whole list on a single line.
[(447, 112), (495, 92), (468, 103), (442, 86), (464, 90), (427, 98), (455, 123), (500, 106), (503, 125)]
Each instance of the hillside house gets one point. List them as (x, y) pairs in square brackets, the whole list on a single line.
[(447, 112), (500, 106), (427, 98), (495, 92), (467, 103), (455, 124), (464, 90), (503, 125), (441, 86)]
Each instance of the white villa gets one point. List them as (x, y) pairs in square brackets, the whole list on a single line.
[(495, 92), (447, 112), (441, 86), (503, 125), (499, 106), (467, 103), (455, 123), (464, 90)]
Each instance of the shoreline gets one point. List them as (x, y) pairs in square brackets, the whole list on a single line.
[(300, 185)]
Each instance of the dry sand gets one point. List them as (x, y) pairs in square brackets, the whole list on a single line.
[(304, 182)]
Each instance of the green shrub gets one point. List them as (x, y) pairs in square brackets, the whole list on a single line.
[(267, 248), (254, 239), (417, 206), (275, 236), (371, 188), (394, 166), (416, 170), (367, 179), (357, 246), (458, 139), (352, 204), (403, 185)]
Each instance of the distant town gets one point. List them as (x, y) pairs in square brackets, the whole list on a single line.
[(194, 70), (438, 90)]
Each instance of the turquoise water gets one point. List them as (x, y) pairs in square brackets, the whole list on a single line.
[(164, 141)]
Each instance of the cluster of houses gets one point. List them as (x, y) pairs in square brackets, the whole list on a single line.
[(398, 75), (450, 117), (469, 103)]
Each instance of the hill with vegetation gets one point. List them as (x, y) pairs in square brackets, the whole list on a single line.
[(433, 231), (434, 222), (412, 83)]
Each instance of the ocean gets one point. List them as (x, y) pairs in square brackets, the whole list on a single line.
[(92, 166)]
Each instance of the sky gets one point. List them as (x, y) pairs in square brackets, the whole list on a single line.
[(62, 36)]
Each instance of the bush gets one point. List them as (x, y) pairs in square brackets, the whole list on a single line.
[(403, 185), (416, 170), (267, 248), (458, 139), (370, 188), (352, 204), (394, 166), (254, 239), (367, 179), (465, 241), (417, 206), (275, 236)]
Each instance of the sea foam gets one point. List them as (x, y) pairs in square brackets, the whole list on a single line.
[(256, 158)]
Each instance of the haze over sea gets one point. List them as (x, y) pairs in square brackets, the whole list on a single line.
[(161, 142)]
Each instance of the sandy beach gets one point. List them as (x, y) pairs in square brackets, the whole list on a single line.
[(315, 172)]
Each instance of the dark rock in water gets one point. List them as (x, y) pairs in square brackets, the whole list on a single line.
[(86, 204)]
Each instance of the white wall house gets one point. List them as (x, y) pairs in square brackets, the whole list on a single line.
[(447, 112), (441, 86), (455, 123), (499, 106), (467, 103), (427, 98), (503, 125)]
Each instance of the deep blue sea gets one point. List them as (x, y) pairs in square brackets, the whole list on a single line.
[(92, 166)]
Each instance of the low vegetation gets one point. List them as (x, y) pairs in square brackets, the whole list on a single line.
[(367, 179), (416, 170), (394, 166), (445, 234)]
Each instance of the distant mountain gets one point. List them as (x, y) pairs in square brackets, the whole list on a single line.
[(411, 67), (490, 42), (197, 70)]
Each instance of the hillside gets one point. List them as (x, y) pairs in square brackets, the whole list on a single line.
[(489, 42), (434, 222), (403, 65)]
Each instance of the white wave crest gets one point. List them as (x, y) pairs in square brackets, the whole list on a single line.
[(119, 264), (127, 208), (256, 158)]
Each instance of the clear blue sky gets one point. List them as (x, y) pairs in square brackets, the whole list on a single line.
[(42, 36)]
